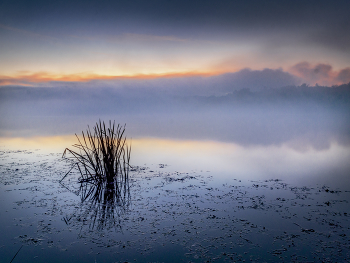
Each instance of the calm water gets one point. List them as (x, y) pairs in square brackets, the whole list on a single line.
[(190, 201)]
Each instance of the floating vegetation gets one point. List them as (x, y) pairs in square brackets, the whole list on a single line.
[(102, 157)]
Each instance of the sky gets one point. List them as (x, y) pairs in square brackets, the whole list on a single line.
[(81, 41), (178, 69)]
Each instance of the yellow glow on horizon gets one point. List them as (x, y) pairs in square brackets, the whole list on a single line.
[(51, 143), (140, 146), (143, 149), (64, 141), (41, 77)]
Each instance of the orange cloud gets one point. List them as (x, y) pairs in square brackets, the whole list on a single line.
[(27, 79), (322, 74)]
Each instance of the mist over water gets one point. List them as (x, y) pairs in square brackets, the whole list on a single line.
[(311, 122), (308, 116)]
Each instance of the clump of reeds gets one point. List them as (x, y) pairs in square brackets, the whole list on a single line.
[(102, 157)]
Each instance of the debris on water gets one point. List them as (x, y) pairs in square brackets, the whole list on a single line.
[(307, 230), (193, 217)]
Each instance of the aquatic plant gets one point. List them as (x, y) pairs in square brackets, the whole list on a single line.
[(102, 157)]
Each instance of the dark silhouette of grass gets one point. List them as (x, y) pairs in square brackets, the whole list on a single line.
[(102, 157)]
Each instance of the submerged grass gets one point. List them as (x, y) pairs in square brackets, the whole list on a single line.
[(102, 157)]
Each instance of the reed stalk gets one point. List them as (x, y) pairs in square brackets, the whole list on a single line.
[(102, 157)]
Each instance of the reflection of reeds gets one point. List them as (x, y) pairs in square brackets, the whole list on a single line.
[(102, 158)]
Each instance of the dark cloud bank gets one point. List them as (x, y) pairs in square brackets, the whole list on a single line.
[(324, 23), (248, 108)]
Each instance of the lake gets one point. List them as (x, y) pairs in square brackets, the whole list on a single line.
[(190, 201)]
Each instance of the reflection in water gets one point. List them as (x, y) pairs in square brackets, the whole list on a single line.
[(105, 203), (102, 159), (286, 162), (102, 203)]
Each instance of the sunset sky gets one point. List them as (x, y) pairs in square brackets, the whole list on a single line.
[(43, 41)]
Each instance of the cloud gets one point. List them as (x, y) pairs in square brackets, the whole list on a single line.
[(322, 74), (188, 83), (29, 33), (344, 75), (257, 79), (183, 83), (49, 79), (144, 37), (185, 18), (32, 79)]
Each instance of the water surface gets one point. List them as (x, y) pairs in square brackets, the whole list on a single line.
[(191, 200)]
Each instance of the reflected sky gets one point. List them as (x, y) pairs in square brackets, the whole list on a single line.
[(223, 160)]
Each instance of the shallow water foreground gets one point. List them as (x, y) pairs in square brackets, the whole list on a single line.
[(174, 215)]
